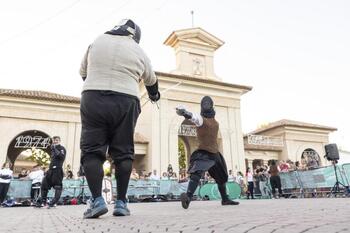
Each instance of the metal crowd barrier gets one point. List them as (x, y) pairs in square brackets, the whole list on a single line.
[(141, 189), (296, 183), (316, 182)]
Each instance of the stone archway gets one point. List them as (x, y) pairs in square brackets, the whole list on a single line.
[(30, 139), (187, 142)]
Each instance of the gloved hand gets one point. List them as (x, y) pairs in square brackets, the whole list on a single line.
[(153, 92), (154, 98), (180, 110)]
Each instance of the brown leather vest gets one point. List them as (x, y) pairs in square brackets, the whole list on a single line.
[(208, 134)]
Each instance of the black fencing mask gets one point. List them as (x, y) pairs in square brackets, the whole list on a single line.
[(207, 107), (127, 27)]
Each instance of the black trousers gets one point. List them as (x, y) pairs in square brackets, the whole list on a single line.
[(4, 187), (202, 161), (52, 179), (276, 183), (108, 123), (250, 189)]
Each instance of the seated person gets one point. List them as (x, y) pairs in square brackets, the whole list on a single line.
[(134, 175), (36, 175)]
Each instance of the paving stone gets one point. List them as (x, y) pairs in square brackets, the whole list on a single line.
[(254, 216)]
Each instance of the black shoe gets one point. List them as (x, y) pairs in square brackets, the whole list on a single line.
[(40, 203), (229, 202), (51, 205), (185, 200)]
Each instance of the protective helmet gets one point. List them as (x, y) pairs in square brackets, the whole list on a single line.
[(128, 27), (207, 107)]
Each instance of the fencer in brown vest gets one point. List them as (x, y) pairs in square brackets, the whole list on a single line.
[(207, 157)]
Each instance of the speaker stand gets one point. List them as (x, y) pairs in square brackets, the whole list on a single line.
[(337, 186)]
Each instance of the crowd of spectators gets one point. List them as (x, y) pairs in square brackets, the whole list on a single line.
[(255, 181)]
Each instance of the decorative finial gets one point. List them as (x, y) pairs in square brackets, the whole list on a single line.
[(192, 13)]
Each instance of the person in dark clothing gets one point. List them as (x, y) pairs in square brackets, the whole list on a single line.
[(275, 179), (112, 69), (207, 157), (54, 176)]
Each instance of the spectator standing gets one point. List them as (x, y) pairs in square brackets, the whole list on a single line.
[(250, 182), (303, 164), (154, 175), (275, 179), (6, 175), (134, 175), (22, 174), (182, 176), (69, 175), (170, 171), (173, 176), (231, 176), (291, 164), (240, 181), (263, 183), (164, 176), (284, 167)]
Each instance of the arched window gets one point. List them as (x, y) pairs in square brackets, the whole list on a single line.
[(310, 159), (28, 149)]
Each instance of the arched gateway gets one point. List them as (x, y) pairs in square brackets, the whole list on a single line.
[(24, 145)]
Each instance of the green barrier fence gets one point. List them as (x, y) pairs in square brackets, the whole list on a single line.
[(297, 180), (20, 189), (211, 191), (290, 180), (346, 173), (323, 177)]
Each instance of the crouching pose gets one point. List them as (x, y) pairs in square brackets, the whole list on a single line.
[(207, 157)]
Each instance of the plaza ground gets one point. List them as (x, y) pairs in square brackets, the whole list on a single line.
[(253, 216)]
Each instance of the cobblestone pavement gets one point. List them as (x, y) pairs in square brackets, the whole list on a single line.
[(253, 216)]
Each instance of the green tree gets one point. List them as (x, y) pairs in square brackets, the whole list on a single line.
[(40, 157), (182, 155)]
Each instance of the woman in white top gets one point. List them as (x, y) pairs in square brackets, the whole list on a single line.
[(6, 175), (250, 181)]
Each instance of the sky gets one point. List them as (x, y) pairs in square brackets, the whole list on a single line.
[(294, 53)]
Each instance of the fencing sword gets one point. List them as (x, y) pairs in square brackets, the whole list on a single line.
[(162, 92)]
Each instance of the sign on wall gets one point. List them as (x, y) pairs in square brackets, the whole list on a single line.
[(188, 130), (264, 140), (28, 141)]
